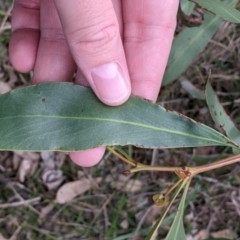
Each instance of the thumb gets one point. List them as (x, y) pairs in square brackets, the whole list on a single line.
[(92, 32)]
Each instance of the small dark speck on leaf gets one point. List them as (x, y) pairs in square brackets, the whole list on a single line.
[(43, 99), (147, 100), (215, 113)]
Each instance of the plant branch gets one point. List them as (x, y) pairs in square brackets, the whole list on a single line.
[(154, 168), (161, 199), (218, 164), (129, 161), (181, 172), (138, 167), (173, 187), (184, 183)]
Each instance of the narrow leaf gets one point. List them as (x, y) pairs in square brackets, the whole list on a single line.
[(219, 115), (159, 221), (188, 45), (191, 89), (176, 231), (218, 239), (67, 117), (221, 9), (187, 7)]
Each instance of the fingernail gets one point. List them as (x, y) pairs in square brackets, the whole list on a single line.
[(111, 85)]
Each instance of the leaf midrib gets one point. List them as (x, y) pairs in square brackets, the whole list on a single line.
[(116, 121), (226, 10), (193, 41)]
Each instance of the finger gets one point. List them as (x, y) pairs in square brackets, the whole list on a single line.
[(25, 34), (54, 61), (148, 35), (92, 31), (80, 79), (117, 5), (87, 158), (91, 157)]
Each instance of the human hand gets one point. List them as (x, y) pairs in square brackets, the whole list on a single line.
[(119, 47)]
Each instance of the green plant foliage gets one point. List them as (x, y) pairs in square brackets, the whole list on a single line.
[(176, 231), (188, 45), (187, 7), (153, 231), (67, 117), (191, 89), (221, 9), (220, 117), (218, 239)]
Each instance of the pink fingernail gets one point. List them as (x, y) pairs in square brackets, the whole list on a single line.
[(110, 83)]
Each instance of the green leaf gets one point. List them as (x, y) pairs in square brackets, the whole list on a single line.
[(219, 115), (191, 89), (221, 9), (187, 7), (151, 235), (188, 45), (67, 117), (176, 231), (218, 239)]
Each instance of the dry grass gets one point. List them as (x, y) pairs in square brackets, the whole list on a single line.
[(29, 210)]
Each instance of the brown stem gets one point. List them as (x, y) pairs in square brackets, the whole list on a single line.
[(129, 161), (173, 187), (208, 167), (153, 168), (141, 167), (191, 171)]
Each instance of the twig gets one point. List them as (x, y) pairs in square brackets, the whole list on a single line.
[(138, 167), (21, 199), (135, 235), (91, 179), (102, 209), (20, 203), (218, 164), (106, 218), (235, 202), (42, 231), (130, 162), (210, 223), (182, 172), (5, 18), (14, 236)]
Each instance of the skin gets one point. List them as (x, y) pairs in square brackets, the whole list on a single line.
[(55, 38)]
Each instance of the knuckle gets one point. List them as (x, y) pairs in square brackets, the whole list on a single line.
[(52, 35), (26, 4), (142, 32), (95, 39)]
